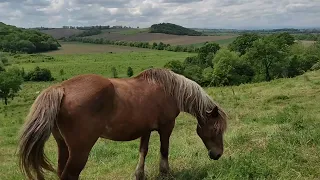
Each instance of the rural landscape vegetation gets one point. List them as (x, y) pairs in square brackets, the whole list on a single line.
[(267, 80)]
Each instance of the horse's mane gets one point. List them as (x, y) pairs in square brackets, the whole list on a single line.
[(189, 95)]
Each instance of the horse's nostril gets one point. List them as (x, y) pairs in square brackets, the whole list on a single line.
[(218, 156), (214, 156)]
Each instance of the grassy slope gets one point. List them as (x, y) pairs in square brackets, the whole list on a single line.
[(273, 132)]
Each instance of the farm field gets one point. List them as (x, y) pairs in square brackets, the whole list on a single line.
[(85, 48), (159, 37), (142, 35), (58, 33), (273, 130), (222, 42)]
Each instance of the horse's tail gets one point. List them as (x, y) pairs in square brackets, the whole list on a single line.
[(36, 132)]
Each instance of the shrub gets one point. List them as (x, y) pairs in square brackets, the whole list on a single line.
[(130, 71), (39, 74), (114, 72)]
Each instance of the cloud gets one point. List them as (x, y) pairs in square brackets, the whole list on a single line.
[(144, 13)]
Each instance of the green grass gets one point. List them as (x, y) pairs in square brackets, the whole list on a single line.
[(273, 131), (222, 42), (97, 63)]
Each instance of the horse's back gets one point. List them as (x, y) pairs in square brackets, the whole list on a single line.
[(87, 95)]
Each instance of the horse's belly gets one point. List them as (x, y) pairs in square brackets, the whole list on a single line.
[(123, 134)]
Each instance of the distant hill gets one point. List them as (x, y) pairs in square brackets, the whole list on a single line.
[(168, 28), (14, 39)]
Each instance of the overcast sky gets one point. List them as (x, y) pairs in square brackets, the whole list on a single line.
[(189, 13)]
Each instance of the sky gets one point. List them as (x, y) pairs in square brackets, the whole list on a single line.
[(227, 14)]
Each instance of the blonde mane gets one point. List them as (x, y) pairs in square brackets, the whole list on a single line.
[(190, 96)]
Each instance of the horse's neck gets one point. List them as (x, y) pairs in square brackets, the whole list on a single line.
[(194, 107)]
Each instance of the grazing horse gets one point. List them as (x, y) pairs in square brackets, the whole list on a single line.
[(84, 108)]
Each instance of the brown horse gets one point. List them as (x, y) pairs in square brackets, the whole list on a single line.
[(80, 110)]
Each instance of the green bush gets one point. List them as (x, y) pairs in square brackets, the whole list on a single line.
[(130, 71), (39, 74), (114, 72)]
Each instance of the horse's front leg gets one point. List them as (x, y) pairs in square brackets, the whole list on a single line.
[(165, 134), (144, 142)]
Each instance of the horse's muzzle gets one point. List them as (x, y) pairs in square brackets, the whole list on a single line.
[(214, 156)]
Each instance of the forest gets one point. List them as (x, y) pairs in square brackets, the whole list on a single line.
[(250, 58), (14, 39)]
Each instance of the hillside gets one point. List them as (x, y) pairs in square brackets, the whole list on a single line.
[(169, 28), (14, 39)]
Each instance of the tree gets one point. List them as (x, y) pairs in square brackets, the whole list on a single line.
[(130, 71), (10, 84), (268, 57), (283, 38), (194, 72), (230, 69), (175, 66), (243, 42), (208, 48), (207, 75)]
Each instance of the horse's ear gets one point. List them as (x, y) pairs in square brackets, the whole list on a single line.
[(214, 112)]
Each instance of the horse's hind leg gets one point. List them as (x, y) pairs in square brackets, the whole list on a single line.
[(63, 152), (79, 144)]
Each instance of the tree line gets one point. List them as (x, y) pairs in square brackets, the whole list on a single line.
[(250, 58), (158, 46), (13, 39)]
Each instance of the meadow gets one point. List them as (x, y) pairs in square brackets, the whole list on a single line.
[(273, 130)]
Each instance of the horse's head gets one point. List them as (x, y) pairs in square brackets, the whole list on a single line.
[(211, 132)]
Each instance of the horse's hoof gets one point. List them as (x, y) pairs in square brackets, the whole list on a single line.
[(140, 175)]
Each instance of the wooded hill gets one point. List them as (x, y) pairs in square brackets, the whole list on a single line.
[(14, 39), (168, 28)]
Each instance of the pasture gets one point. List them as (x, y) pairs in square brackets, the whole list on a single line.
[(273, 130)]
